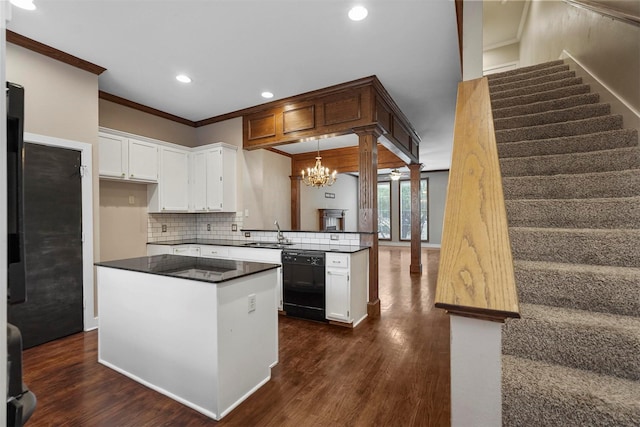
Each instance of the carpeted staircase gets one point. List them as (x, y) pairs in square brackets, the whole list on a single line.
[(571, 177)]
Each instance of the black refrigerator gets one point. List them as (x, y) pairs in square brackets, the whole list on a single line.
[(21, 402)]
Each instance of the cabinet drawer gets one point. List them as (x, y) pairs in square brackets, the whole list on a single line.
[(214, 251), (337, 260)]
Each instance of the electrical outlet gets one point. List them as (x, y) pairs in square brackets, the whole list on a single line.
[(164, 228), (234, 227), (252, 302), (208, 227), (335, 237), (247, 234), (132, 200)]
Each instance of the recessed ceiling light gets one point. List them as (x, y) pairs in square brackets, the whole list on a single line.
[(358, 13), (24, 4), (267, 95), (183, 78)]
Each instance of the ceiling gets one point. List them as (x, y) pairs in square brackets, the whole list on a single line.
[(236, 49)]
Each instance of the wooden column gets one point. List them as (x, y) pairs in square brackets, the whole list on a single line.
[(416, 224), (368, 207), (295, 202)]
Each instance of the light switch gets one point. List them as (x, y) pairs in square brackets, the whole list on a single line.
[(132, 200)]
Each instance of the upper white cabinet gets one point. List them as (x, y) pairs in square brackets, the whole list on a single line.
[(214, 179), (172, 192), (122, 158), (201, 179)]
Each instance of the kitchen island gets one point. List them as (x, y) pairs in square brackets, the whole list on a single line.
[(201, 331)]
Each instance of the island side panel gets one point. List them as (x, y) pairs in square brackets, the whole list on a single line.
[(161, 331), (359, 285), (248, 340)]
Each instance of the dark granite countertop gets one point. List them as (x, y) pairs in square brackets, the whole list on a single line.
[(187, 267), (349, 249)]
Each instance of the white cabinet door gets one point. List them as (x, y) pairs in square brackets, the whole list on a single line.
[(338, 294), (173, 186), (214, 180), (158, 249), (199, 181), (186, 250), (112, 157), (143, 161)]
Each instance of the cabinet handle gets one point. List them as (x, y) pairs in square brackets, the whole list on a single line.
[(131, 175), (122, 175)]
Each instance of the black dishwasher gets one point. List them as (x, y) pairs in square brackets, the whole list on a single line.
[(304, 284)]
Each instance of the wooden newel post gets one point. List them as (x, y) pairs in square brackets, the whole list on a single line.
[(416, 223)]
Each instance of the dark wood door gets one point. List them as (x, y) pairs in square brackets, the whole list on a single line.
[(53, 243)]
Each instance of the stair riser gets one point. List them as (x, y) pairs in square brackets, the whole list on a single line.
[(594, 247), (529, 90), (574, 113), (557, 130), (583, 143), (581, 290), (611, 184), (613, 160), (574, 213), (522, 83), (607, 351), (541, 107)]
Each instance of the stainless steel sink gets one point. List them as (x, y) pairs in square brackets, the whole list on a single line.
[(270, 245)]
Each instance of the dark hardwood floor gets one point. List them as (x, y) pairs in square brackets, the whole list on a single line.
[(391, 371)]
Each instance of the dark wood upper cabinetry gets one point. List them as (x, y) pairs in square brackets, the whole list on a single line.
[(333, 111)]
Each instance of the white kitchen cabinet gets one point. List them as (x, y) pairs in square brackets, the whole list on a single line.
[(143, 161), (186, 250), (346, 281), (127, 159), (158, 249), (213, 187), (171, 194), (209, 251)]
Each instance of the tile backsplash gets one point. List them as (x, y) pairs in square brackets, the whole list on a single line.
[(220, 226)]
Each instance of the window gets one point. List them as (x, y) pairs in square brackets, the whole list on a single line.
[(384, 210), (405, 210)]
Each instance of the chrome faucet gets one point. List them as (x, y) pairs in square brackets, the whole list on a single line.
[(281, 238)]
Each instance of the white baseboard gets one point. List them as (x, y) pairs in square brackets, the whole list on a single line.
[(619, 105)]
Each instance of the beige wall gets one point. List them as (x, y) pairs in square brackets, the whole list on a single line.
[(312, 199), (264, 189), (123, 225), (60, 101), (609, 49), (116, 116), (501, 55)]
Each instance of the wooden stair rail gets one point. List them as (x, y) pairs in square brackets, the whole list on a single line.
[(476, 276)]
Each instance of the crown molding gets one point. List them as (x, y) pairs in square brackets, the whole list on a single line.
[(51, 52)]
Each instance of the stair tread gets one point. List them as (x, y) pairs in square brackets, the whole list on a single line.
[(578, 112), (579, 268), (587, 397), (536, 89), (556, 130), (527, 69), (581, 318), (496, 86), (549, 105), (616, 138), (622, 158)]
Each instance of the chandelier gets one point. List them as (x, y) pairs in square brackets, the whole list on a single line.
[(318, 176)]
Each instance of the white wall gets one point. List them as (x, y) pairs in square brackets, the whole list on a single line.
[(311, 199), (610, 49), (501, 55)]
